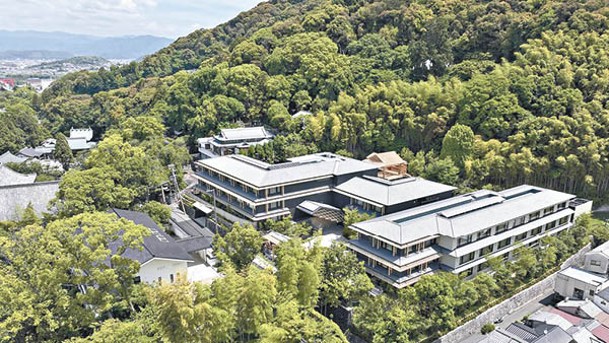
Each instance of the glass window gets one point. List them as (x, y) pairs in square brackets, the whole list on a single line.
[(487, 250), (501, 228), (274, 190), (551, 225), (463, 240), (482, 266), (467, 272), (548, 210), (413, 249), (274, 205), (504, 243), (536, 231), (534, 215), (562, 205), (521, 236), (563, 220), (467, 258), (595, 263), (519, 221), (484, 233)]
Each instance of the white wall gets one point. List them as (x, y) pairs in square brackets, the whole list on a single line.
[(565, 286), (152, 270), (583, 208), (598, 257)]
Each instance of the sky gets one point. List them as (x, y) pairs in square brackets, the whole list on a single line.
[(166, 18)]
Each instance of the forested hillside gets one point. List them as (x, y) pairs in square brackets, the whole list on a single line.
[(530, 78)]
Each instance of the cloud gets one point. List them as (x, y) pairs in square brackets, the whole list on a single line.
[(169, 18)]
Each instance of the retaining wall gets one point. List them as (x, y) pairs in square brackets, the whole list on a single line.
[(508, 306)]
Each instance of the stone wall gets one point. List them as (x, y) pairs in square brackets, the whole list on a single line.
[(14, 199), (508, 306)]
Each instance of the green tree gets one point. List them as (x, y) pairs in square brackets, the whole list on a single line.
[(160, 213), (352, 216), (343, 277), (62, 152), (458, 144), (90, 190), (40, 298), (239, 246)]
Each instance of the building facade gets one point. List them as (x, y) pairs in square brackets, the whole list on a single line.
[(459, 234), (231, 141), (319, 185)]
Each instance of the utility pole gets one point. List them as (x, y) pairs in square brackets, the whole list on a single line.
[(177, 187), (213, 193)]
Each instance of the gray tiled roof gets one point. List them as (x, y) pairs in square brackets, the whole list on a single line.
[(34, 152), (461, 215), (260, 174), (8, 157), (157, 245), (9, 177), (80, 144), (243, 133), (389, 193)]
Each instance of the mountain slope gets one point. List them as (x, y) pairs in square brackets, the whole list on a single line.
[(529, 79), (127, 47)]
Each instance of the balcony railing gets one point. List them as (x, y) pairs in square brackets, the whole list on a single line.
[(227, 185), (387, 255), (402, 279)]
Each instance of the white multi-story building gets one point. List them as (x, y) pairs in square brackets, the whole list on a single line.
[(459, 234)]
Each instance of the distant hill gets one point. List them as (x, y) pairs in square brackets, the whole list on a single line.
[(34, 55), (17, 44), (85, 62)]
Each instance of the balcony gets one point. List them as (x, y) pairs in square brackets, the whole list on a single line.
[(365, 247), (227, 185), (402, 279)]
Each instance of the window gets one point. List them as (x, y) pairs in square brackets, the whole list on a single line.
[(551, 225), (467, 258), (591, 292), (562, 205), (430, 243), (274, 205), (467, 272), (534, 215), (465, 240), (413, 249), (595, 263), (137, 279), (484, 233), (536, 231), (274, 190), (504, 243), (521, 236), (501, 228), (487, 250), (519, 221), (563, 220), (482, 266), (548, 210), (171, 278)]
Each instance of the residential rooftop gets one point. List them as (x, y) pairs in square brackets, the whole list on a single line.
[(582, 275), (461, 215), (244, 133), (157, 245), (9, 177), (387, 193), (309, 167)]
